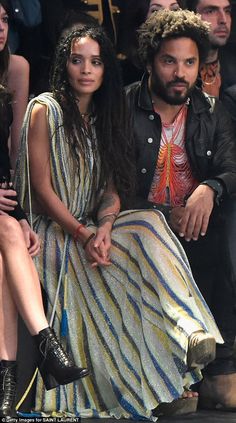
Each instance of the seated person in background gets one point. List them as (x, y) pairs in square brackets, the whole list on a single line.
[(127, 301), (157, 5), (186, 167), (219, 67), (14, 74), (229, 100), (20, 289)]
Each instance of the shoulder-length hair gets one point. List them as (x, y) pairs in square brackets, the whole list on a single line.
[(111, 121), (4, 54)]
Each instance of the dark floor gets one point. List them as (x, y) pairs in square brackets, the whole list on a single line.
[(203, 417), (199, 417)]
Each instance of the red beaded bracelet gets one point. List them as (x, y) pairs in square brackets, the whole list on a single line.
[(77, 231)]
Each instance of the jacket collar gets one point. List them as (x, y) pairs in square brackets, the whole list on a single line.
[(198, 100), (144, 98)]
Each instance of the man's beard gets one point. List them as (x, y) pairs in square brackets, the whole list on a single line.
[(161, 90), (217, 42)]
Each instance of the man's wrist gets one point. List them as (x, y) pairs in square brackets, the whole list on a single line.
[(216, 186)]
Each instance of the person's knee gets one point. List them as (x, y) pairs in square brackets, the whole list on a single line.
[(10, 230)]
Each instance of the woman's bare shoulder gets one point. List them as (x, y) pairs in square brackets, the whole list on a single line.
[(18, 64)]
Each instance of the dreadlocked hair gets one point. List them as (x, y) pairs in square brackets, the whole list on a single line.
[(110, 112), (166, 24), (5, 111)]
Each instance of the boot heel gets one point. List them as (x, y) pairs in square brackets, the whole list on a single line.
[(49, 381)]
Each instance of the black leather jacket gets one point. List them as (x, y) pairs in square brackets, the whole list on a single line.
[(229, 100), (210, 139)]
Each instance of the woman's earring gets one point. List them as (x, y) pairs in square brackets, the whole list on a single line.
[(149, 71)]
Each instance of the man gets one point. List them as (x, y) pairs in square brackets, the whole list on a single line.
[(218, 71), (186, 167)]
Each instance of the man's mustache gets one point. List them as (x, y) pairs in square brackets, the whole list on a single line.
[(222, 27), (176, 81)]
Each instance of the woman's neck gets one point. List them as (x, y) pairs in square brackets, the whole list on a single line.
[(85, 105)]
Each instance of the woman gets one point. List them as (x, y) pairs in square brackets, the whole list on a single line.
[(14, 74), (127, 293), (151, 6), (20, 288)]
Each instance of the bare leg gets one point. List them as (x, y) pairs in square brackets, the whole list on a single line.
[(19, 288), (8, 320), (20, 293)]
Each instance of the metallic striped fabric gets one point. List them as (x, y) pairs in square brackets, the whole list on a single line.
[(129, 322)]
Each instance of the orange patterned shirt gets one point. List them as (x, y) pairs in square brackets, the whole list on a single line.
[(173, 179)]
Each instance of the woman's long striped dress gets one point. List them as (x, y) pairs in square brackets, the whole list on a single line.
[(129, 322)]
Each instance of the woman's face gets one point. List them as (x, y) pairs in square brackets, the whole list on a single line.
[(156, 5), (85, 67), (3, 27)]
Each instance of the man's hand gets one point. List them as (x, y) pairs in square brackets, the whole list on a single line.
[(31, 238), (175, 219), (197, 213)]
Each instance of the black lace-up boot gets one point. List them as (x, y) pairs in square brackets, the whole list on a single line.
[(7, 389), (55, 366)]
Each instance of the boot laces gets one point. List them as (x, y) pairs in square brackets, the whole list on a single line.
[(7, 392), (51, 344)]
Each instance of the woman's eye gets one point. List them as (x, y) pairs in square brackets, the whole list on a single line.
[(97, 62), (155, 9), (75, 60)]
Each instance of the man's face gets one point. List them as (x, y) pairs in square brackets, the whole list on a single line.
[(218, 14), (175, 70)]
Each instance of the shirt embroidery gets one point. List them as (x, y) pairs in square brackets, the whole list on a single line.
[(173, 180)]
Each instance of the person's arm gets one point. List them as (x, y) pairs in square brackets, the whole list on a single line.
[(40, 173), (107, 213), (221, 173), (196, 213), (229, 100), (223, 166), (18, 85), (39, 152)]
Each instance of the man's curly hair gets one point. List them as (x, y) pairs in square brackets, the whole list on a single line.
[(166, 24)]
